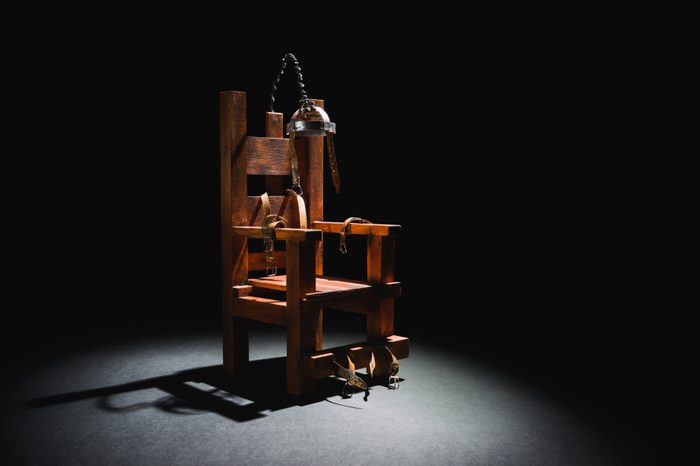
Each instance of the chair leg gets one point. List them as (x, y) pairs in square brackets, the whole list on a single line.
[(380, 322), (304, 335), (235, 343)]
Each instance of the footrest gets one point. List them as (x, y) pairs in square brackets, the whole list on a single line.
[(320, 363)]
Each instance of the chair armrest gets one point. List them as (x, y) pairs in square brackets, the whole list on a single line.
[(377, 229), (281, 234)]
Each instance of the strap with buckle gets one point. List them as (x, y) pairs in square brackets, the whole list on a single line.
[(344, 230), (272, 221), (269, 223)]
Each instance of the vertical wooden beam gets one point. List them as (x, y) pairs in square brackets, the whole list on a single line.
[(274, 125), (380, 269), (315, 187), (234, 250), (303, 328), (274, 128)]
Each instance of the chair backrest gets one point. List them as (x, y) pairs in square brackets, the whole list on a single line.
[(244, 156)]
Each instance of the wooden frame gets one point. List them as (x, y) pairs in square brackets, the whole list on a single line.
[(306, 290)]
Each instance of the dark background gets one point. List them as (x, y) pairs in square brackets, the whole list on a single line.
[(518, 211)]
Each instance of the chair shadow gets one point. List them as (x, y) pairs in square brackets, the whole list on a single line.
[(241, 397)]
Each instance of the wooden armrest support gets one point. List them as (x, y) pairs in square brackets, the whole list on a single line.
[(377, 229), (281, 234)]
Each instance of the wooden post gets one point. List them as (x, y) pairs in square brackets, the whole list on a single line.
[(380, 269), (274, 128), (315, 190), (234, 249), (304, 332)]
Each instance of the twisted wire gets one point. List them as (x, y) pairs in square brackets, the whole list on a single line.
[(286, 60)]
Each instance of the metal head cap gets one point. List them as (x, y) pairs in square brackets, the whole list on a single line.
[(310, 121)]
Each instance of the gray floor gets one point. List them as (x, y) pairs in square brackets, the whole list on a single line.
[(165, 401)]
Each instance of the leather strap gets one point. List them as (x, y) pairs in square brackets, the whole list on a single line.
[(272, 221), (344, 229), (301, 207), (333, 162), (269, 223), (294, 163)]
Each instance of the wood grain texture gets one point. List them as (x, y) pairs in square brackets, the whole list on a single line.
[(323, 284), (274, 125), (354, 300), (380, 269), (314, 188), (274, 128), (351, 295), (320, 364), (304, 330), (261, 309), (258, 260), (270, 156), (278, 206), (234, 250), (282, 234), (380, 259), (377, 229)]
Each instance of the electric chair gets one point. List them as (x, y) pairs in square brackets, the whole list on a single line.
[(292, 290)]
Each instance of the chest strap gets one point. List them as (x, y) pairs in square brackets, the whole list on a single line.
[(344, 230), (272, 221)]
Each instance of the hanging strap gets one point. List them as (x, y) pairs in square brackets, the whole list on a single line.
[(294, 162), (344, 230), (332, 162), (269, 223)]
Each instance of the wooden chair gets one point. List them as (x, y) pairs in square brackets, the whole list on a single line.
[(295, 300)]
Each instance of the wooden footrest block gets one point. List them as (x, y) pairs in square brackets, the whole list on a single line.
[(320, 364)]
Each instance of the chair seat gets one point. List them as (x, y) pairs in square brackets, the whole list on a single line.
[(331, 290), (323, 284)]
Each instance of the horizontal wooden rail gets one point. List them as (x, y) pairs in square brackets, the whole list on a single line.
[(377, 229), (281, 234), (266, 310), (354, 297), (267, 156), (320, 364)]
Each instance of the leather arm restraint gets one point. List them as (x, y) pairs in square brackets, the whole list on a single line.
[(272, 221), (344, 230), (269, 223)]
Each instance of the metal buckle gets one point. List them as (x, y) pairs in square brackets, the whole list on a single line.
[(296, 187), (393, 382), (271, 266)]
